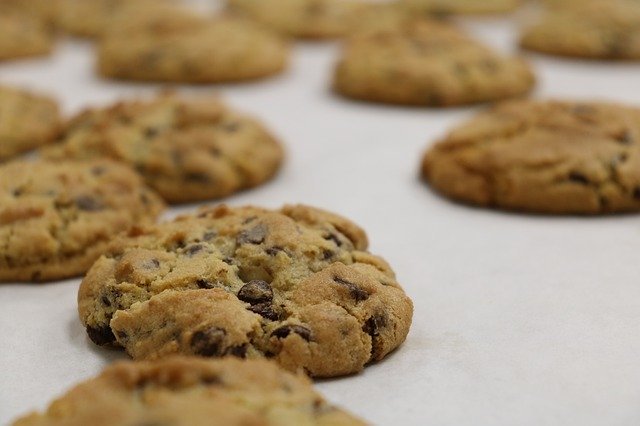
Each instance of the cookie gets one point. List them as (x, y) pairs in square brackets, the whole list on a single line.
[(27, 120), (45, 10), (190, 392), (56, 218), (313, 19), (22, 35), (594, 30), (427, 63), (295, 285), (92, 18), (543, 157), (187, 149), (451, 7), (222, 49)]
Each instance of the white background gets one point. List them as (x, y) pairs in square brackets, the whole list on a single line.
[(519, 320)]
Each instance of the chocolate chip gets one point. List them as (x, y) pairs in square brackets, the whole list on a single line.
[(273, 251), (208, 342), (211, 380), (636, 193), (209, 235), (249, 220), (578, 178), (89, 204), (327, 254), (334, 238), (284, 331), (626, 138), (228, 260), (239, 351), (255, 235), (356, 292), (98, 170), (105, 301), (373, 325), (151, 132), (231, 127), (16, 192), (256, 291), (193, 249), (265, 310), (202, 283), (197, 177), (102, 335)]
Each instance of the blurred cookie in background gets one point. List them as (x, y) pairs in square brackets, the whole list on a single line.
[(56, 218), (187, 148), (591, 29), (27, 121), (310, 19), (91, 18), (427, 63), (23, 35), (542, 157), (455, 7), (214, 50)]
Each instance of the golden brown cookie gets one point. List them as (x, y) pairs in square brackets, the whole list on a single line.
[(27, 120), (315, 19), (447, 7), (23, 35), (92, 18), (221, 49), (543, 157), (595, 29), (192, 392), (427, 63), (187, 149), (56, 218), (295, 285)]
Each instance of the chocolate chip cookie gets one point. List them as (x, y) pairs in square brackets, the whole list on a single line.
[(27, 120), (92, 18), (295, 285), (190, 392), (187, 149), (22, 35), (222, 49), (56, 218), (594, 30), (544, 157), (445, 7), (315, 19), (427, 63)]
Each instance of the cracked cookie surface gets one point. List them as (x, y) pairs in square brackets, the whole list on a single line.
[(56, 218), (221, 49), (23, 35), (443, 7), (592, 29), (185, 391), (545, 157), (315, 19), (27, 120), (295, 285), (187, 149), (427, 63)]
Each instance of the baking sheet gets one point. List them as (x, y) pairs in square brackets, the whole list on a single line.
[(518, 319)]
